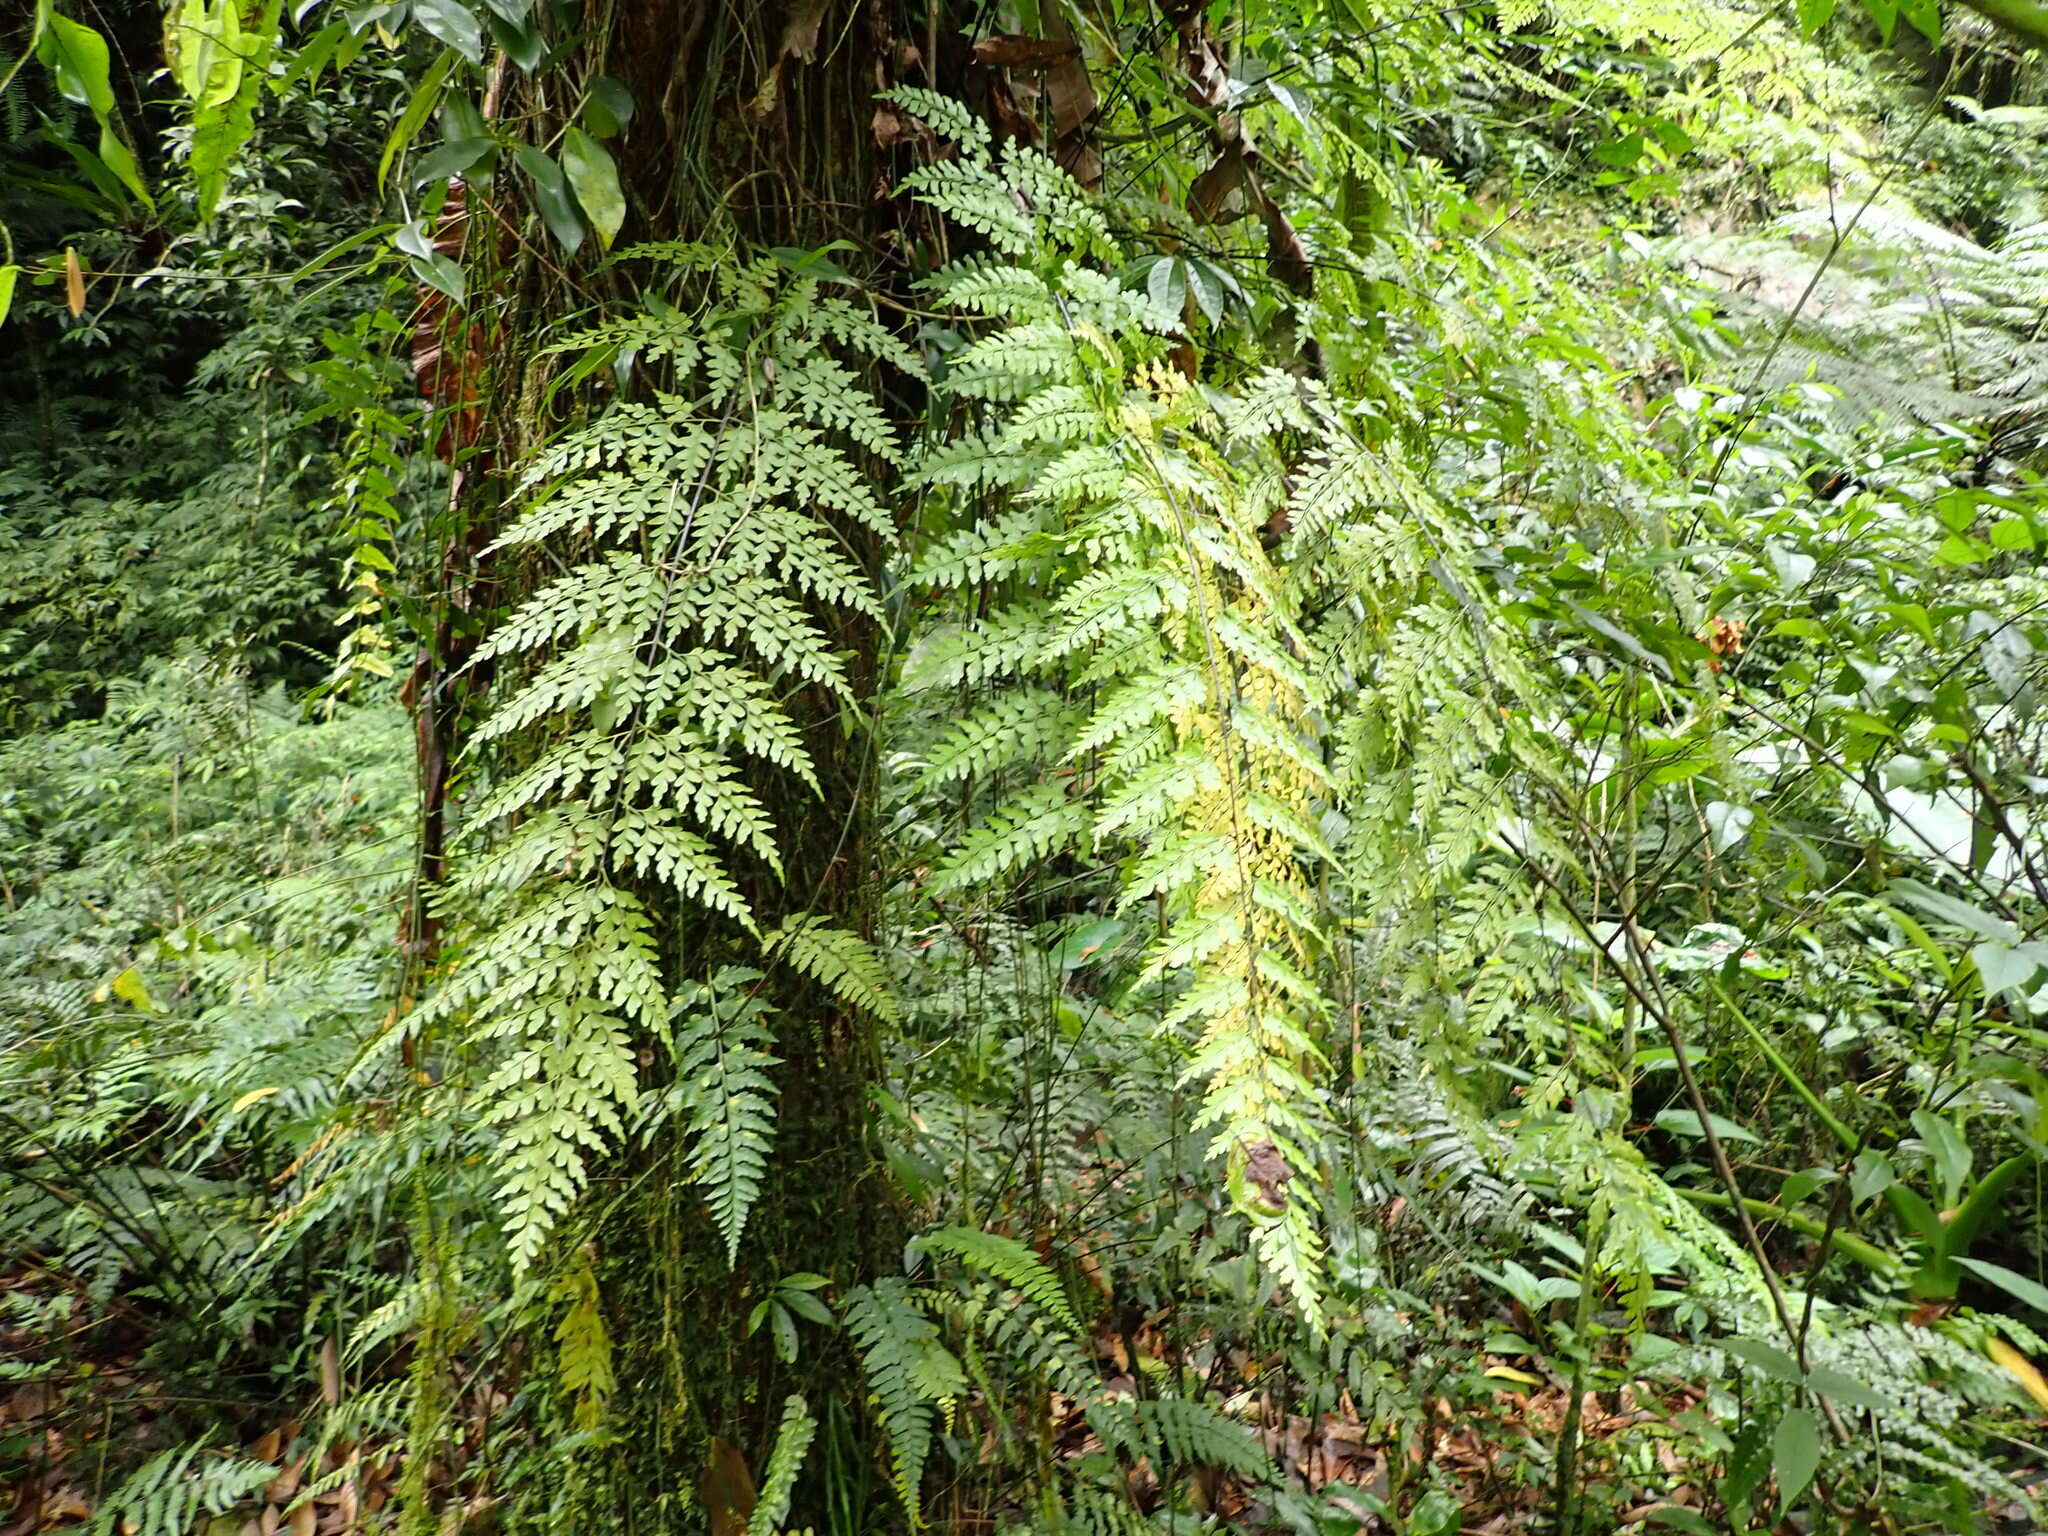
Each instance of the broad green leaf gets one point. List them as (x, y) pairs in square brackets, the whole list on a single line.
[(2014, 1284), (1795, 1454), (784, 1327), (2007, 968), (220, 132), (808, 1307), (551, 197), (1684, 1122), (313, 57), (596, 180), (609, 107), (204, 43), (120, 159), (2012, 534), (1842, 1388), (522, 43), (1767, 1358), (1621, 153), (1166, 284), (412, 239), (1728, 824), (1871, 1175), (1924, 15), (1204, 284), (7, 276), (1814, 14), (456, 158), (461, 118), (426, 95), (453, 23), (1951, 1153), (438, 272), (78, 57)]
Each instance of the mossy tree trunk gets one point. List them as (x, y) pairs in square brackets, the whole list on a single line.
[(753, 123)]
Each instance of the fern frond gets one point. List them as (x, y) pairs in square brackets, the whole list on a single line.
[(910, 1373), (792, 1442), (1005, 1259), (1024, 829), (583, 1345), (844, 963), (721, 1067)]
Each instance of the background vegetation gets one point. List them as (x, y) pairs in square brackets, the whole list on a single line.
[(1045, 766)]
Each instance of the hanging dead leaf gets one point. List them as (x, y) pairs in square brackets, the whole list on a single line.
[(1070, 91), (799, 41), (1286, 257), (1227, 191), (729, 1496), (1724, 636), (330, 1372), (1022, 52), (1265, 1167), (74, 283), (1012, 121), (1208, 77)]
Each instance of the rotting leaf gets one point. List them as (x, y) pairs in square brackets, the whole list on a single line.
[(799, 41), (728, 1489), (1023, 52), (1267, 1169)]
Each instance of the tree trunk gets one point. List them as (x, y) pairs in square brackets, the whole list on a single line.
[(752, 121)]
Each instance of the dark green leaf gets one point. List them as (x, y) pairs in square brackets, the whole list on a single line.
[(609, 108), (454, 24), (596, 182), (522, 43), (1767, 1358), (426, 95), (455, 158), (552, 197), (2014, 1284), (78, 57), (1795, 1454)]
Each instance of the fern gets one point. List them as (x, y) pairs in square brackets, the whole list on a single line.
[(168, 1494), (1007, 1260), (785, 1460), (1185, 1433), (583, 1362), (650, 674), (1153, 583), (721, 1068), (843, 963), (909, 1372)]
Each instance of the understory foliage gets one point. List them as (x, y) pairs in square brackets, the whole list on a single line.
[(1373, 683)]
